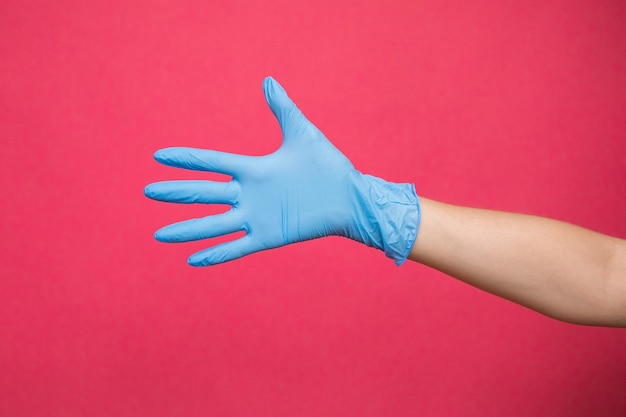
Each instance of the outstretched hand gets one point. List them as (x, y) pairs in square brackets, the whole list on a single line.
[(305, 190)]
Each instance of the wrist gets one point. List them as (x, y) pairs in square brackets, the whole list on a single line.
[(387, 216)]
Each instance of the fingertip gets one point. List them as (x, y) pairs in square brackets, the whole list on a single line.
[(269, 81), (158, 155), (197, 261), (148, 191), (272, 89), (267, 89), (161, 237), (167, 154)]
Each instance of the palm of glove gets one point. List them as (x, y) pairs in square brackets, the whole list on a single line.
[(304, 190)]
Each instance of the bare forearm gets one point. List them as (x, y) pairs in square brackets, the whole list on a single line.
[(556, 268)]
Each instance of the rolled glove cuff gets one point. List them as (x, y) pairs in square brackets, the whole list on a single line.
[(389, 216)]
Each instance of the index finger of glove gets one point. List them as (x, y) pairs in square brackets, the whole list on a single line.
[(203, 160)]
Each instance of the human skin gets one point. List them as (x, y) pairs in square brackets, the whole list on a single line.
[(558, 269)]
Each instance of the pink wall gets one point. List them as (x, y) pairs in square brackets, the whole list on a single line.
[(513, 105)]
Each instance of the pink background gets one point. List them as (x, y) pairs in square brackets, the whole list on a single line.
[(512, 105)]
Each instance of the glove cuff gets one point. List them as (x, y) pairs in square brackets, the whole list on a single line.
[(388, 216)]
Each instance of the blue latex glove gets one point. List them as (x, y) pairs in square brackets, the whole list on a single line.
[(305, 190)]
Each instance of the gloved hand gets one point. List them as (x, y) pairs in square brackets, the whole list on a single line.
[(305, 190)]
